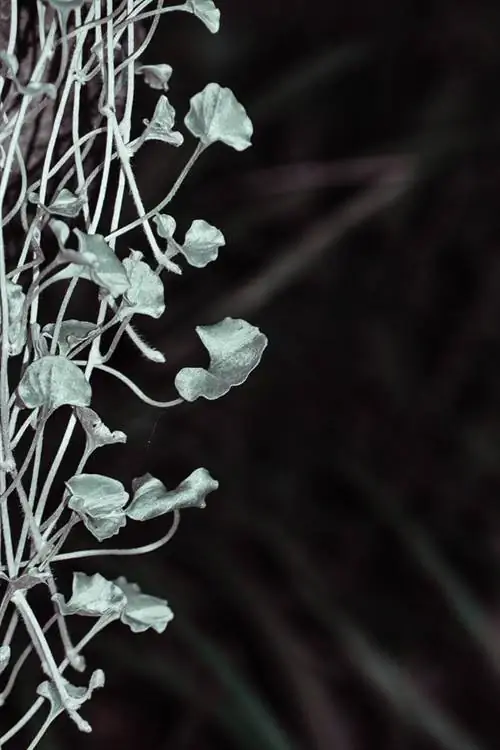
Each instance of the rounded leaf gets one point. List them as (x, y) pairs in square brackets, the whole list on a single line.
[(141, 610), (53, 381), (99, 502), (202, 243), (216, 115)]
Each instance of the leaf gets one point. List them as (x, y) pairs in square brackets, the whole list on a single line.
[(92, 596), (145, 294), (151, 498), (71, 333), (73, 699), (16, 328), (96, 431), (235, 348), (161, 126), (61, 231), (106, 270), (165, 228), (99, 502), (201, 244), (156, 76), (216, 115), (207, 12), (66, 204), (53, 381), (143, 611)]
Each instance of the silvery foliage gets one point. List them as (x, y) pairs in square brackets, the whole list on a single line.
[(58, 359)]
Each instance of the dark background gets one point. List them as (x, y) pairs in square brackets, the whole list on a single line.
[(340, 591)]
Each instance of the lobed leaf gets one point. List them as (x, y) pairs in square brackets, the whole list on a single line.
[(235, 348), (156, 76), (92, 596), (96, 431), (160, 128), (74, 697), (152, 499)]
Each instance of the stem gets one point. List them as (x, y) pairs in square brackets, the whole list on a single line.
[(134, 388), (173, 190), (145, 549)]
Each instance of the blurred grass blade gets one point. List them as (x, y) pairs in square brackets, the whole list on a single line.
[(462, 604), (386, 677), (252, 724)]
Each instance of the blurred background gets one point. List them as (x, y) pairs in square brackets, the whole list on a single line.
[(341, 589)]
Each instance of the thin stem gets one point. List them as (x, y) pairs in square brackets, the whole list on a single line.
[(173, 190), (134, 388), (145, 549)]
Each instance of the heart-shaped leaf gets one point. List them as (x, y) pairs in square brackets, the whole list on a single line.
[(53, 381)]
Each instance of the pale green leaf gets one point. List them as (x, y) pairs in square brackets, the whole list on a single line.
[(66, 204), (160, 128), (92, 596), (151, 498), (235, 348), (143, 611), (96, 431), (202, 243), (207, 12), (156, 76), (106, 270), (165, 228), (99, 501), (216, 115), (145, 294), (53, 381), (71, 333), (74, 697)]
